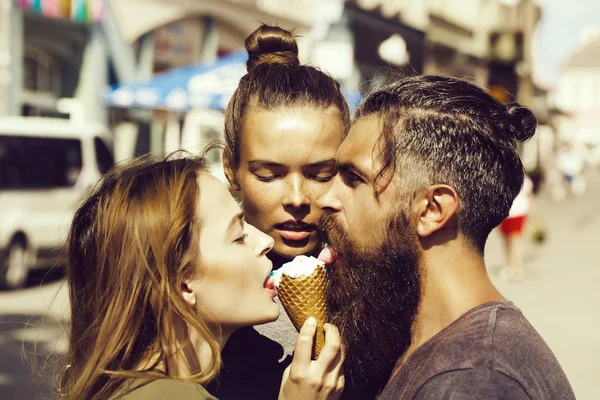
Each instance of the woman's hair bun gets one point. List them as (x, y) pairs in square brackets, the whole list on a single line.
[(522, 122), (271, 45)]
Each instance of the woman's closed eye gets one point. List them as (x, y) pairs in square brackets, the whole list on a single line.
[(241, 239), (322, 173), (324, 177), (266, 178), (241, 233), (268, 173)]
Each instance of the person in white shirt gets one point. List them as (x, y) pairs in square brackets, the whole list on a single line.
[(571, 163)]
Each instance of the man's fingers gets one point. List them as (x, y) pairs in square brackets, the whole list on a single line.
[(303, 350)]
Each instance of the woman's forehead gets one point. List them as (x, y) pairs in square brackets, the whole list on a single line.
[(293, 136), (216, 203)]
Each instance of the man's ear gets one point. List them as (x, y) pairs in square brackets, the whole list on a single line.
[(188, 293), (435, 208), (228, 166)]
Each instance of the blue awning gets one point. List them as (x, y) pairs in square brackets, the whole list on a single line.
[(203, 85)]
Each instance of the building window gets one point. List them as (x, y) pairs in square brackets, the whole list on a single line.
[(42, 84), (42, 72)]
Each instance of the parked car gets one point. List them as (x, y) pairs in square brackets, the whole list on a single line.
[(46, 167)]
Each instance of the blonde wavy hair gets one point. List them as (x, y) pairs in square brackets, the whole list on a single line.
[(131, 245)]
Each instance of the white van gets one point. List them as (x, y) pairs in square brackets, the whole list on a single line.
[(46, 167)]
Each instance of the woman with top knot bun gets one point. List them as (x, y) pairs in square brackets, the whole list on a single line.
[(283, 126)]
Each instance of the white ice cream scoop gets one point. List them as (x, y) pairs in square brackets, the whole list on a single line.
[(299, 266)]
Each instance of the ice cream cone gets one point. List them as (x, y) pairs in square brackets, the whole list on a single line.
[(303, 297)]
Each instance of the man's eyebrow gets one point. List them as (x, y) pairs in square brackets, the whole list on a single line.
[(263, 163), (237, 218), (349, 167)]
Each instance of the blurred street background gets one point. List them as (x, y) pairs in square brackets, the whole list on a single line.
[(88, 83)]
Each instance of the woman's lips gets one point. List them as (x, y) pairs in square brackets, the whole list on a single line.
[(294, 235), (295, 231), (270, 285)]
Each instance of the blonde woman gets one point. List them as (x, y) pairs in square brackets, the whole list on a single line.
[(162, 270)]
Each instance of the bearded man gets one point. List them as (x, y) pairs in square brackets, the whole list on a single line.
[(428, 169)]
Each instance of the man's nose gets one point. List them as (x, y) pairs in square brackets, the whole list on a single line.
[(330, 200)]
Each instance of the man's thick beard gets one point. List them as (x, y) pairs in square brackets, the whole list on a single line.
[(373, 297)]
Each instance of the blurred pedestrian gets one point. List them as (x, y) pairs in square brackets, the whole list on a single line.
[(162, 270), (513, 232), (570, 163)]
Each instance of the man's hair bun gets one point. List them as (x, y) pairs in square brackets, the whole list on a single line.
[(522, 122)]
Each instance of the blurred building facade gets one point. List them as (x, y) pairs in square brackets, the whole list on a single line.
[(578, 94), (358, 41), (486, 41), (43, 46), (159, 35)]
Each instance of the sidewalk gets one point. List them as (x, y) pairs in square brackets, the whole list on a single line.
[(560, 294)]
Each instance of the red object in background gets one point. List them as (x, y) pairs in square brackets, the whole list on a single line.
[(513, 225), (222, 52), (24, 4)]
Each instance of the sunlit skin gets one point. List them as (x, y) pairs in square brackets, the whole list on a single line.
[(287, 160), (351, 196), (231, 285)]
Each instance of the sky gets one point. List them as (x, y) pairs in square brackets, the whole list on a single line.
[(559, 34)]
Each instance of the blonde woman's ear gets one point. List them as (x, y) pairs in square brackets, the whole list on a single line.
[(228, 166), (188, 293)]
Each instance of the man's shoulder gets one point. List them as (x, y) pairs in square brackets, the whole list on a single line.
[(477, 338), (472, 383), (495, 336), (488, 330), (487, 334), (495, 341)]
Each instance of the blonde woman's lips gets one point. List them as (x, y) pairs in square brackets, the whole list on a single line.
[(270, 285)]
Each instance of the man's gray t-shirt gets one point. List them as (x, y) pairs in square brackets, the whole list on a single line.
[(491, 352)]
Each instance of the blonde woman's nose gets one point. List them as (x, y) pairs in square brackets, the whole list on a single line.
[(264, 242), (266, 245)]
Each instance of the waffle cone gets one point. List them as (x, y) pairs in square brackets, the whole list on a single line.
[(304, 297)]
